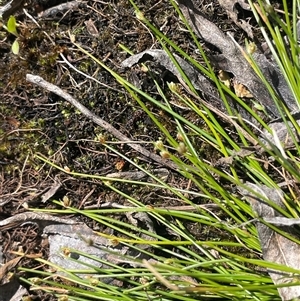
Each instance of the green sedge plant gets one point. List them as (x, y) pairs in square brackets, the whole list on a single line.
[(226, 265)]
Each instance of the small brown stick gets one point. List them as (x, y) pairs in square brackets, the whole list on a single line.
[(137, 175), (61, 8), (39, 218), (37, 80)]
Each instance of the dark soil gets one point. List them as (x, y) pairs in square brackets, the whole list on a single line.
[(34, 121)]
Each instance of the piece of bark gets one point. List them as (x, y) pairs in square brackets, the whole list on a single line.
[(281, 130), (10, 8), (275, 247), (64, 241), (199, 81)]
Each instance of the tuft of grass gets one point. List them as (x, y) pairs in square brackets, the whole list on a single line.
[(226, 265)]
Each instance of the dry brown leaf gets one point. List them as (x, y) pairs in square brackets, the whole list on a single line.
[(275, 247), (50, 193), (13, 122), (6, 268), (232, 60), (230, 7), (199, 81), (241, 91), (91, 28)]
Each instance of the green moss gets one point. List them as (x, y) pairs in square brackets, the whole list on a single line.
[(20, 138)]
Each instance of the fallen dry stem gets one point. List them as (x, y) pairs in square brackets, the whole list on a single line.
[(181, 208)]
